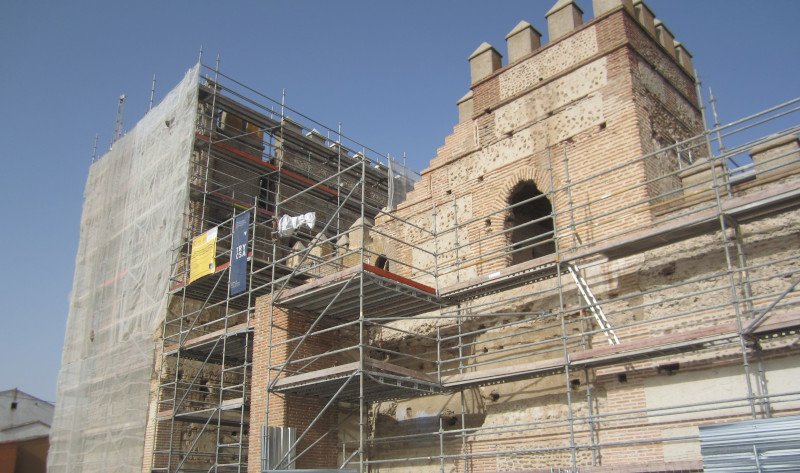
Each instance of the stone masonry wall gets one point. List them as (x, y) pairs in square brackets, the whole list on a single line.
[(578, 112), (645, 296), (597, 99), (590, 102)]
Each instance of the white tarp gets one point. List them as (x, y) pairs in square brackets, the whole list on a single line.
[(132, 219), (287, 225)]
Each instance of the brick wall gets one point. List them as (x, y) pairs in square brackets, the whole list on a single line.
[(539, 120), (287, 410), (584, 111)]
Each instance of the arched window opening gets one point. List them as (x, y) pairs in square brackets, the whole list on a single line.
[(382, 262), (530, 221)]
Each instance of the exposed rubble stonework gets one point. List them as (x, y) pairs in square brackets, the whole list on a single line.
[(583, 279), (598, 97)]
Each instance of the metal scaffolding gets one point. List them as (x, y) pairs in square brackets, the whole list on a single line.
[(369, 307), (252, 162)]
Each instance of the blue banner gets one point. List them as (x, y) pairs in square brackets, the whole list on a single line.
[(238, 279)]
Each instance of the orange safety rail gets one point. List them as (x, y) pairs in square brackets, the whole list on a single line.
[(254, 159), (241, 203), (396, 278)]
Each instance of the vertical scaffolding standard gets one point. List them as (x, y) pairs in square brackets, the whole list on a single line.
[(248, 162), (367, 308), (562, 338)]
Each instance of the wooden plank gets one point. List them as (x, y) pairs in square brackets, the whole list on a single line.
[(476, 377), (660, 234), (748, 206), (661, 341), (501, 275), (339, 276), (209, 336), (388, 367), (232, 404), (625, 350), (230, 419), (319, 375), (217, 270), (776, 322), (674, 340), (349, 368), (317, 283), (778, 197)]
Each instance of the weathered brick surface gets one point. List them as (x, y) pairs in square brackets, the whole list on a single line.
[(593, 101), (580, 113), (273, 326)]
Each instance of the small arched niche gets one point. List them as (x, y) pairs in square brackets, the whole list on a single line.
[(530, 223)]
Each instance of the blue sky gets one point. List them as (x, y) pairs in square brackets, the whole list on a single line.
[(391, 72)]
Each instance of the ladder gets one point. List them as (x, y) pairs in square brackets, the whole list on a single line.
[(592, 303)]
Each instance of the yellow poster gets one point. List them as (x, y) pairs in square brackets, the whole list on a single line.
[(204, 250)]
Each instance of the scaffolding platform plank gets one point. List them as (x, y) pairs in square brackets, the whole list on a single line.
[(213, 287), (743, 208), (777, 325), (511, 277), (683, 342), (201, 416), (385, 294), (210, 92), (676, 343), (671, 231), (382, 382), (210, 346), (777, 198), (503, 374)]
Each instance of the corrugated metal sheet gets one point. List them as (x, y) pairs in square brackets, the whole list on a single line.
[(346, 470), (758, 446), (275, 443)]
